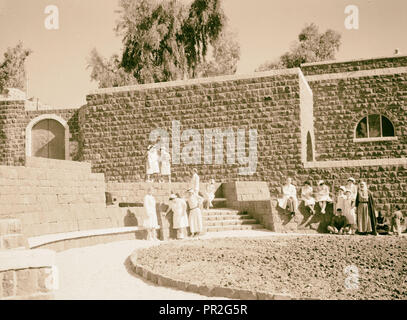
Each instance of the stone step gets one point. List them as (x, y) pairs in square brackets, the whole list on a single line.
[(219, 212), (13, 241), (234, 227), (226, 217), (10, 226), (230, 222)]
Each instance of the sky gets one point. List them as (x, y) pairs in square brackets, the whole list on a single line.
[(57, 68)]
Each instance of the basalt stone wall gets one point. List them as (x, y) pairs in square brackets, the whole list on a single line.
[(14, 119), (117, 124), (342, 100), (353, 65)]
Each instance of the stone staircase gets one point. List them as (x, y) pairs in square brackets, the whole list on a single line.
[(221, 218)]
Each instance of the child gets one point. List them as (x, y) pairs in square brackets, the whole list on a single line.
[(210, 194), (341, 199), (306, 195), (396, 221), (349, 210), (322, 195)]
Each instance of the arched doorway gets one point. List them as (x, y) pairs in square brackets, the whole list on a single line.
[(47, 136)]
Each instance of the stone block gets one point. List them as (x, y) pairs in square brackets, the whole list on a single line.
[(27, 282), (8, 283)]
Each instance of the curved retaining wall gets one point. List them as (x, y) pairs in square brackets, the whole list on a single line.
[(209, 291)]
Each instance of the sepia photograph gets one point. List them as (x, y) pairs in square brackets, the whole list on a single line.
[(216, 151)]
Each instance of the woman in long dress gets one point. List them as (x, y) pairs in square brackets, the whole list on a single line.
[(165, 159), (351, 186), (365, 210), (194, 184), (179, 218), (307, 196), (289, 200), (195, 215), (153, 166), (322, 196), (150, 221)]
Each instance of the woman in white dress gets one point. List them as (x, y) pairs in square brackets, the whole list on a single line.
[(179, 218), (165, 159), (195, 215), (210, 194), (150, 220), (322, 195), (352, 187), (194, 184), (289, 200), (307, 196), (153, 166)]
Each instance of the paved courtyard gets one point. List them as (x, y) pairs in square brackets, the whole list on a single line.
[(101, 272)]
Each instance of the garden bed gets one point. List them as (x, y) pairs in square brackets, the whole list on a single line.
[(300, 266)]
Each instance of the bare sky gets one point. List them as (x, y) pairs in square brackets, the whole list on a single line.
[(266, 28)]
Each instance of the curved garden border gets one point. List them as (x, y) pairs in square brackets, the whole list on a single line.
[(209, 291)]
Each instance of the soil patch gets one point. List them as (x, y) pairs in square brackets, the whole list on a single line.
[(302, 266)]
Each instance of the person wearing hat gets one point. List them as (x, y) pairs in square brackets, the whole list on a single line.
[(150, 221), (340, 199), (351, 186), (179, 218), (322, 196), (194, 202), (365, 210), (152, 165)]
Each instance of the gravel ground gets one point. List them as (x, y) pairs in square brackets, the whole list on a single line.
[(302, 266)]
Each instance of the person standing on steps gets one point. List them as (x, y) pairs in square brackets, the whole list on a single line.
[(194, 202), (194, 184), (365, 210), (210, 194), (150, 221), (153, 167)]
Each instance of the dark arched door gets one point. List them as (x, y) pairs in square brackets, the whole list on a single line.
[(48, 139)]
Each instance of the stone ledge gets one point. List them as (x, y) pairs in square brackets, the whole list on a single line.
[(319, 63), (356, 74), (25, 259), (209, 291), (190, 82), (35, 242), (356, 163)]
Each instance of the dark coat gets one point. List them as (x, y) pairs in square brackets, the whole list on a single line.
[(371, 209)]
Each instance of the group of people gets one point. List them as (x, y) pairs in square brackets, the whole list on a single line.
[(187, 209), (158, 163), (354, 208)]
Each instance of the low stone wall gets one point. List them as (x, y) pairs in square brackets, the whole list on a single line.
[(53, 196)]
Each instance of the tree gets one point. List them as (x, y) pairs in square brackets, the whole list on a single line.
[(311, 46), (108, 73), (166, 40), (12, 69), (225, 56)]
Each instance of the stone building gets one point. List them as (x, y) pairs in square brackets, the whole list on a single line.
[(327, 120)]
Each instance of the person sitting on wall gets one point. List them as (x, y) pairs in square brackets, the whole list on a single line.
[(180, 218), (382, 227), (194, 202), (152, 165), (339, 224), (289, 199), (322, 196), (396, 220), (365, 210), (165, 159), (150, 220), (210, 194), (306, 196)]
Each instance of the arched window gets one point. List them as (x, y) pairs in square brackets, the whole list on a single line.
[(310, 154), (374, 127)]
